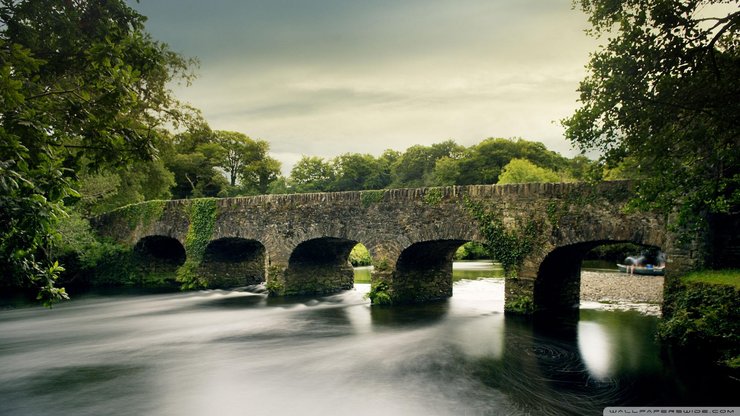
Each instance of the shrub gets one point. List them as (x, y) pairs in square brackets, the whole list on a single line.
[(704, 317), (379, 293), (359, 256)]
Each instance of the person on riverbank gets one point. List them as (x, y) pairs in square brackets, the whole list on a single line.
[(632, 262)]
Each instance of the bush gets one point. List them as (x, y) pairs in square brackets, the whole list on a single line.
[(379, 293), (472, 251), (522, 305), (704, 317), (359, 256)]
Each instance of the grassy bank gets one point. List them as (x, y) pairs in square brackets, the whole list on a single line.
[(728, 277)]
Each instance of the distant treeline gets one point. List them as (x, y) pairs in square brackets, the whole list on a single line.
[(493, 160), (207, 163)]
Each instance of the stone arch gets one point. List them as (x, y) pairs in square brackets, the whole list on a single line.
[(557, 284), (319, 266), (159, 255), (423, 271), (233, 262)]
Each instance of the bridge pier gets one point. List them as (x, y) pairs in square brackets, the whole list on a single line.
[(316, 267), (423, 272), (310, 279), (157, 258), (233, 262)]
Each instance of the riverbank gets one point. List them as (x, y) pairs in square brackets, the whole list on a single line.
[(621, 287)]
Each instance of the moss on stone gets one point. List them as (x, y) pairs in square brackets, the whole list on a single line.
[(143, 214), (275, 287), (368, 198), (522, 305), (432, 196), (202, 218), (508, 246)]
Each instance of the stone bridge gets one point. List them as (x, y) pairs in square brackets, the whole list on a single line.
[(299, 244)]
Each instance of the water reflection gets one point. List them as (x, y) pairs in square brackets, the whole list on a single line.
[(409, 315), (595, 346), (237, 353), (461, 270)]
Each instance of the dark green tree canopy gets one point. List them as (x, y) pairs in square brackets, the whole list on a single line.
[(416, 165), (312, 174), (664, 91), (82, 87)]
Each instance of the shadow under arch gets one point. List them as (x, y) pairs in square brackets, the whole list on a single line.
[(233, 262), (424, 271), (558, 283), (320, 266), (157, 258)]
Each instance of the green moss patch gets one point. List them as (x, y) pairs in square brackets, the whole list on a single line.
[(202, 215), (509, 246), (143, 213)]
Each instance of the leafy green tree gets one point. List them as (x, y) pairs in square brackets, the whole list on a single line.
[(355, 172), (238, 152), (483, 162), (626, 169), (663, 91), (197, 160), (447, 171), (200, 158), (279, 186), (196, 174), (385, 167), (312, 174), (415, 167), (81, 85), (113, 188), (258, 175), (523, 171), (583, 169)]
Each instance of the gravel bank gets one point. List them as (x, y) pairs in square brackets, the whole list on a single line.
[(616, 287)]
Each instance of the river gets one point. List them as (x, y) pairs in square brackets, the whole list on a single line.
[(240, 353)]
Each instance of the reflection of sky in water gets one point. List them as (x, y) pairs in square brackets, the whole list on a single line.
[(481, 338), (596, 350)]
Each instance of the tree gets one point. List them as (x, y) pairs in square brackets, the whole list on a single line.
[(483, 162), (664, 92), (239, 151), (258, 175), (81, 85), (583, 169), (447, 171), (523, 171), (415, 167), (312, 174), (196, 174), (385, 167), (104, 191), (355, 172)]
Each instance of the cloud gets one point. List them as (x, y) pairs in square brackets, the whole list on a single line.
[(333, 76)]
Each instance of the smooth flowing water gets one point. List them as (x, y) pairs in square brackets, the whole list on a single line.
[(240, 353)]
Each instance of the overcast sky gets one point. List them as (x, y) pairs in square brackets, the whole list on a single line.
[(326, 77)]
